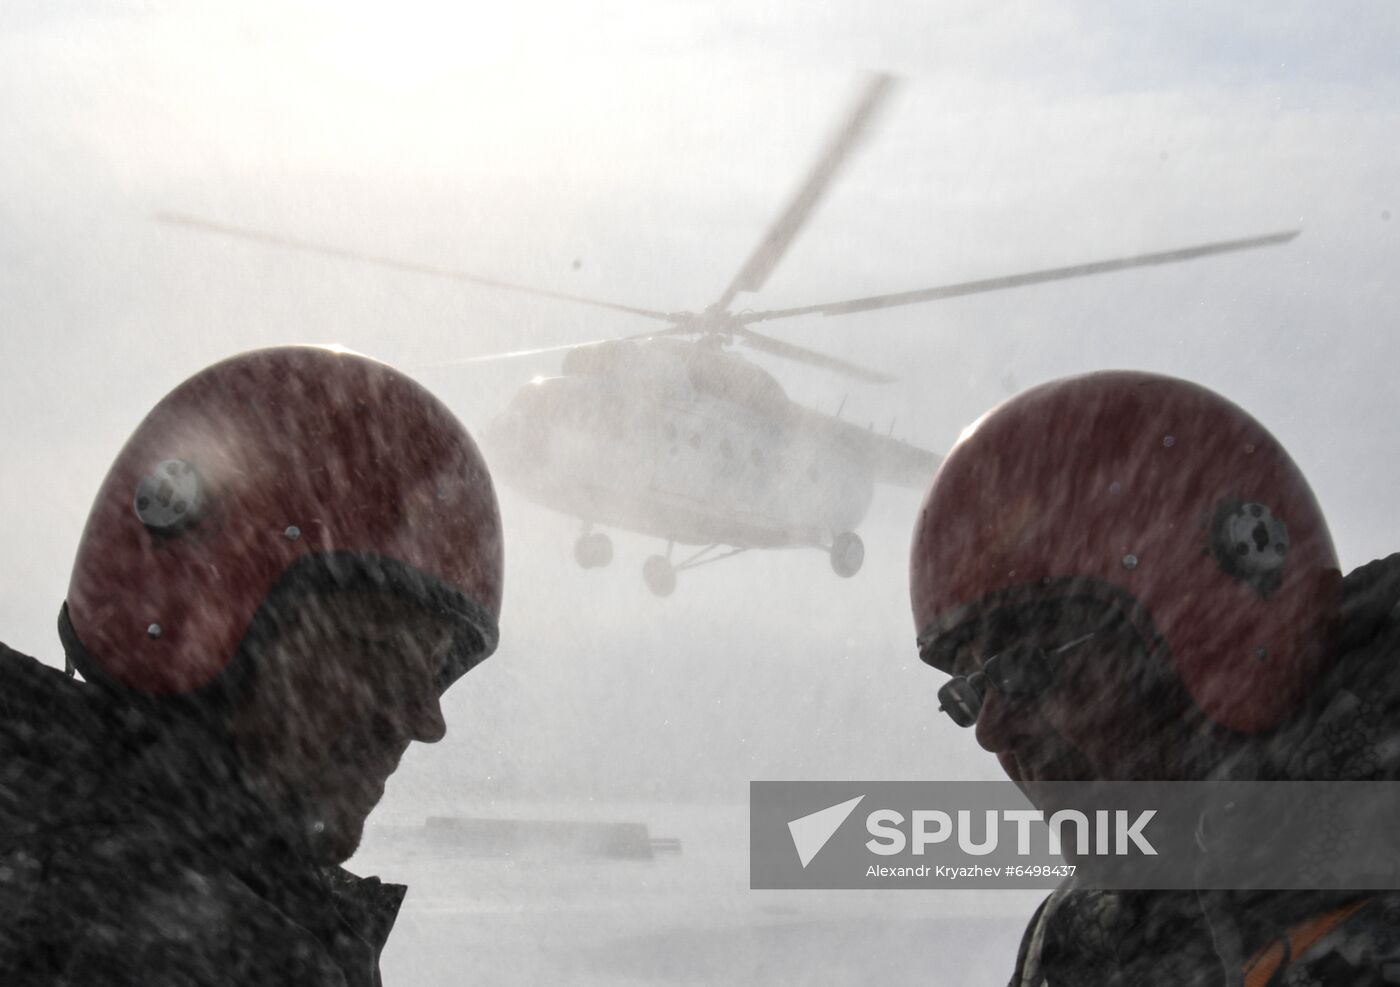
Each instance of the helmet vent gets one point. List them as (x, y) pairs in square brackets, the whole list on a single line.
[(1250, 544), (169, 497)]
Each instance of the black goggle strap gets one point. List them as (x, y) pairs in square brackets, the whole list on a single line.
[(1018, 672), (1073, 644), (1021, 671), (1026, 671)]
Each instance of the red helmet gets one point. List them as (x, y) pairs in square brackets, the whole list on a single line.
[(269, 468), (1153, 495)]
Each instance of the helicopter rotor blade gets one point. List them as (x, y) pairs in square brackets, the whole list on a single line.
[(1020, 280), (800, 354), (540, 350), (326, 250), (789, 223)]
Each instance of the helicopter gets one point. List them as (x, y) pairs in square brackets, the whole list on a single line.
[(670, 434)]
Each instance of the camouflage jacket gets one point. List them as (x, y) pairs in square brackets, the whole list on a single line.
[(1079, 938)]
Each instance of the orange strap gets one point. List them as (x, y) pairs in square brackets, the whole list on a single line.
[(1259, 970)]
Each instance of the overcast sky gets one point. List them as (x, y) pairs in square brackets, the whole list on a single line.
[(636, 152)]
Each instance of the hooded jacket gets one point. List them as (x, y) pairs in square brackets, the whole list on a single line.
[(130, 852)]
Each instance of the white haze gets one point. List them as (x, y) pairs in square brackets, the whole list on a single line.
[(636, 152)]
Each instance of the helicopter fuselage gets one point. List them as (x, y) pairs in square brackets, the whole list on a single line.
[(684, 442)]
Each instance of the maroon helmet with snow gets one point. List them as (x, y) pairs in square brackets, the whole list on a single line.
[(278, 470), (1156, 497)]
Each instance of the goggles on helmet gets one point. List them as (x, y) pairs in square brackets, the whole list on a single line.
[(1019, 672)]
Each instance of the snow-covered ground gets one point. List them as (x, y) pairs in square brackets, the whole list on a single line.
[(548, 915)]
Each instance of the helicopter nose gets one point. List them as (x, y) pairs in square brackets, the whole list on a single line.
[(501, 439), (515, 442)]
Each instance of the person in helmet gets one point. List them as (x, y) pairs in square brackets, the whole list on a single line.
[(294, 555), (1128, 579)]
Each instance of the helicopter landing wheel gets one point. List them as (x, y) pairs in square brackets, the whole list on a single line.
[(593, 551), (847, 554), (659, 575)]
